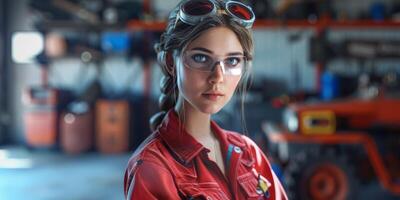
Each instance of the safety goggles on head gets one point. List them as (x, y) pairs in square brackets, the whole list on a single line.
[(193, 11), (201, 61)]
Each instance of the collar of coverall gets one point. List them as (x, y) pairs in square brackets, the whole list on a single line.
[(184, 145)]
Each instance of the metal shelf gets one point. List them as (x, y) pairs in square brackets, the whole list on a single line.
[(135, 25)]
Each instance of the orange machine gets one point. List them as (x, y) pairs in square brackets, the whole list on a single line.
[(330, 150), (112, 126)]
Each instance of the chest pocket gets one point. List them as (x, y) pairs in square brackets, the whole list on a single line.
[(206, 191), (249, 184)]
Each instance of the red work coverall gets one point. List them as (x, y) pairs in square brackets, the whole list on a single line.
[(171, 164)]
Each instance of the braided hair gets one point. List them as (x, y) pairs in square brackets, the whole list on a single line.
[(174, 40)]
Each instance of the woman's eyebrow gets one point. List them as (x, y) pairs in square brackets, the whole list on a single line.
[(202, 49), (211, 52), (235, 54)]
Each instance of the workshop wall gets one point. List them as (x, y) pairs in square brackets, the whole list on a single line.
[(280, 54), (22, 75)]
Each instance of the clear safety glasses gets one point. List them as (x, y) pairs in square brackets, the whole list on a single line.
[(230, 65), (193, 11)]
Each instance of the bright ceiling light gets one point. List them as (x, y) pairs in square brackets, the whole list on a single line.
[(25, 46)]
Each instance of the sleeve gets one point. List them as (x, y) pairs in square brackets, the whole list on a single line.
[(149, 181), (263, 165)]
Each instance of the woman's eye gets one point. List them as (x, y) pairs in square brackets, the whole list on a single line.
[(200, 58), (233, 61)]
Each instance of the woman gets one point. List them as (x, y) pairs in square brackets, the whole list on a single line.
[(205, 53)]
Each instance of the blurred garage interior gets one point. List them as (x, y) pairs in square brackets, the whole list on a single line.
[(79, 81)]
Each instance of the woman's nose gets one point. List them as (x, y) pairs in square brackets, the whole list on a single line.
[(217, 74)]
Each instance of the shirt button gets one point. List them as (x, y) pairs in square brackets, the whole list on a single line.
[(209, 198), (237, 150)]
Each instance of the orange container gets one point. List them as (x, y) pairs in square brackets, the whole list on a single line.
[(112, 126), (41, 128), (41, 117), (76, 132)]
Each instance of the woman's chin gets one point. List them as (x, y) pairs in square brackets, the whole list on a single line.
[(206, 107), (210, 109)]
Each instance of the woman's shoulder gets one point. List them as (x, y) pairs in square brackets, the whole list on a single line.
[(150, 151), (147, 169)]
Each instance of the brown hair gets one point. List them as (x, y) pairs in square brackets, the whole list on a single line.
[(175, 38)]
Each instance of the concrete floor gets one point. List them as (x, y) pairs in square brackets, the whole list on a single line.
[(44, 175)]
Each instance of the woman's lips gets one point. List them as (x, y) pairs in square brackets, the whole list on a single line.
[(212, 96)]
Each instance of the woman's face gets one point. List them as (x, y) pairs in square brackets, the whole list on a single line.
[(209, 91)]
